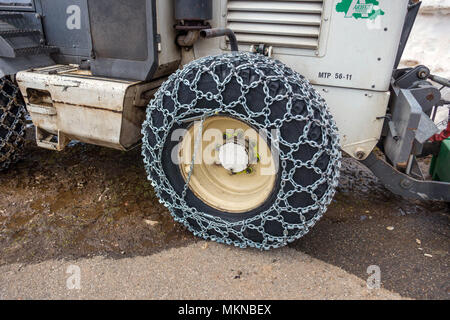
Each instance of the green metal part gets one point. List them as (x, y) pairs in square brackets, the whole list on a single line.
[(440, 165)]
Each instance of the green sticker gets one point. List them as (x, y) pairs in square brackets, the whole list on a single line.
[(360, 9)]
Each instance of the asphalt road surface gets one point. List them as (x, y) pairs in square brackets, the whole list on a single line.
[(90, 212)]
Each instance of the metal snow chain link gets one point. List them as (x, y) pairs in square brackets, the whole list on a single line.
[(191, 166), (12, 116), (238, 63)]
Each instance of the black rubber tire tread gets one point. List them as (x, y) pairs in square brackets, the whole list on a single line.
[(12, 123), (239, 232)]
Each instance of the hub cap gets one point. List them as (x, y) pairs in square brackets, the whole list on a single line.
[(233, 157)]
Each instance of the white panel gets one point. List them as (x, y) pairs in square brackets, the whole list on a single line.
[(358, 115), (352, 53), (353, 61)]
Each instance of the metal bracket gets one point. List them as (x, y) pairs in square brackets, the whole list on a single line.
[(409, 126), (41, 109), (145, 92), (262, 49), (403, 185), (55, 142)]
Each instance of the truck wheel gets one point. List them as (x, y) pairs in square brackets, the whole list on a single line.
[(12, 122), (242, 150)]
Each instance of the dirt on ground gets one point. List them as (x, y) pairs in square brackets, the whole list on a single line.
[(81, 202), (89, 201)]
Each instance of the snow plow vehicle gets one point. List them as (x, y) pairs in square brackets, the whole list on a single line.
[(241, 107)]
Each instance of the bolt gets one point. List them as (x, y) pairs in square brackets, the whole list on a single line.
[(239, 133), (360, 154), (423, 73), (406, 184)]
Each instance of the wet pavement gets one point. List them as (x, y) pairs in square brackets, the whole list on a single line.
[(367, 225), (90, 201)]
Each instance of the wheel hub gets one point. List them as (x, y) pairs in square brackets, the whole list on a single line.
[(229, 176), (233, 157)]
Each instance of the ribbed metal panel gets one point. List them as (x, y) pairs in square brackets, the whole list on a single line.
[(279, 23)]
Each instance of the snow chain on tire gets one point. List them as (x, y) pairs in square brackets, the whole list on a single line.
[(294, 101), (12, 122)]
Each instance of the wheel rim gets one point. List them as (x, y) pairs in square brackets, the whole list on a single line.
[(234, 169)]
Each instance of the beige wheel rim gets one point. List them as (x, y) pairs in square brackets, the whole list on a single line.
[(221, 153)]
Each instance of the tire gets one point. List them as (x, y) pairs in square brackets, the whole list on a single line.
[(265, 94), (12, 123)]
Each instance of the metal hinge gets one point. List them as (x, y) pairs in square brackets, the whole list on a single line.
[(158, 41), (262, 49)]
